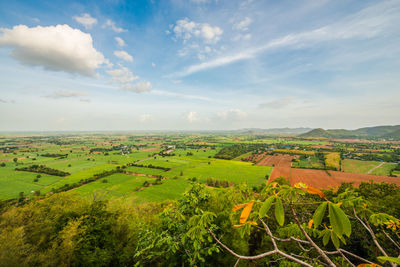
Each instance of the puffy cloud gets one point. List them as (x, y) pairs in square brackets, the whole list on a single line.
[(153, 64), (192, 116), (124, 78), (111, 24), (86, 20), (139, 87), (122, 75), (186, 29), (232, 115), (66, 94), (123, 55), (243, 25), (120, 41), (59, 48)]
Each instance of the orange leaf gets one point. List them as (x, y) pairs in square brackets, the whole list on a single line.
[(368, 265), (238, 207), (310, 223), (238, 225), (315, 191), (246, 212), (274, 184)]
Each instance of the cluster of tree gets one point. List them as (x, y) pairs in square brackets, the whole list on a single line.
[(67, 187), (230, 152), (149, 166), (278, 225), (100, 149), (54, 155), (43, 169), (387, 157), (217, 183)]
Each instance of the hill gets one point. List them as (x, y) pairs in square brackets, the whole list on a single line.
[(276, 131), (386, 132)]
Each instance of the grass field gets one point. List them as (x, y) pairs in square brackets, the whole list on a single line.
[(385, 169), (332, 161), (360, 166), (308, 162)]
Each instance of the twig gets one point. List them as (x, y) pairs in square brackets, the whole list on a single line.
[(394, 242), (369, 229), (344, 257), (318, 249), (275, 251)]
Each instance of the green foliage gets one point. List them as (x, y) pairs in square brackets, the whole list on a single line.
[(43, 169)]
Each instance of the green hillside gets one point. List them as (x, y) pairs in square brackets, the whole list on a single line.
[(387, 132)]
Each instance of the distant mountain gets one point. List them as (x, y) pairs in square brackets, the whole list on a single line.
[(386, 132), (276, 131)]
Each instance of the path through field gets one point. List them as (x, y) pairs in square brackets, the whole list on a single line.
[(376, 167)]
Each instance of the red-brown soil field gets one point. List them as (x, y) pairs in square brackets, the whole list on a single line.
[(279, 160), (327, 179)]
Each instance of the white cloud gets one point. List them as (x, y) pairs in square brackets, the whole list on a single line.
[(124, 78), (145, 117), (120, 41), (178, 95), (192, 116), (66, 94), (59, 48), (232, 115), (243, 25), (277, 104), (153, 64), (86, 20), (186, 29), (87, 100), (111, 24), (122, 75), (123, 55), (368, 23), (139, 87), (242, 37)]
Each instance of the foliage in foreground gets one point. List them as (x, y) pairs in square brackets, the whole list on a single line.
[(277, 225)]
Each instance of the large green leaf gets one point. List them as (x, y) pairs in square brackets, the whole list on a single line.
[(325, 239), (279, 212), (339, 221), (383, 259), (319, 214), (266, 206), (335, 239)]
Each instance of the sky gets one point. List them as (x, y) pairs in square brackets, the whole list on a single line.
[(198, 64)]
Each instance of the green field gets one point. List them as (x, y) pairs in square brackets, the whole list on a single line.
[(360, 166), (308, 162)]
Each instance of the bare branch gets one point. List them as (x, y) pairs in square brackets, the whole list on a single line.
[(237, 262), (275, 251), (344, 257), (318, 249), (394, 242), (371, 232), (240, 256)]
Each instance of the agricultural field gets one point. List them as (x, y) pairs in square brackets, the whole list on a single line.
[(158, 167)]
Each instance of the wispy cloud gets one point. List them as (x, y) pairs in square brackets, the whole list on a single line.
[(178, 95), (66, 94), (367, 23)]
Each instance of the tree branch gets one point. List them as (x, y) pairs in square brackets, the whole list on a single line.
[(394, 242), (275, 251), (318, 249), (371, 232)]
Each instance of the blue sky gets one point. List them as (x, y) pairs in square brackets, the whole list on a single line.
[(198, 64)]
